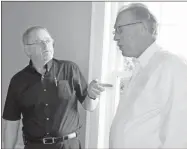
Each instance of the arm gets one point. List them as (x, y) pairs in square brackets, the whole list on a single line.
[(11, 134), (90, 104), (87, 94), (94, 90), (176, 123), (12, 116)]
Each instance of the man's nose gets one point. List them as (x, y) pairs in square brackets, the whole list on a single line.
[(116, 37), (45, 45)]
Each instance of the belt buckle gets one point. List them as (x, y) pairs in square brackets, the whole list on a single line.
[(45, 140)]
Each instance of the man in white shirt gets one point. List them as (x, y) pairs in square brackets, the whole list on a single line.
[(152, 113)]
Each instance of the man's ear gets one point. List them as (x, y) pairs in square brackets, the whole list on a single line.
[(53, 44), (27, 50), (143, 27)]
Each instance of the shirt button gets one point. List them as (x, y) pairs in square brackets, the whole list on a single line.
[(47, 118), (44, 90), (46, 104)]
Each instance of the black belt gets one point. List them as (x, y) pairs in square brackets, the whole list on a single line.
[(51, 140)]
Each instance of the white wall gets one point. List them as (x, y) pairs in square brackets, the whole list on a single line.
[(69, 25)]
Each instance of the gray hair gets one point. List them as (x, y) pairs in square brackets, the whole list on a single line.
[(142, 13), (29, 30)]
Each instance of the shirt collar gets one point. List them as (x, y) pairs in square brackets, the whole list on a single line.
[(49, 64), (147, 54)]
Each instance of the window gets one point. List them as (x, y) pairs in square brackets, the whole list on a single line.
[(110, 63)]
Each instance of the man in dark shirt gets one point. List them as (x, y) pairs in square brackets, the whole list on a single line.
[(46, 94)]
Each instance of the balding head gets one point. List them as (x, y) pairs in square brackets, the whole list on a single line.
[(28, 33), (38, 45), (138, 12)]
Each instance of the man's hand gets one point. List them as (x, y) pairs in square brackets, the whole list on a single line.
[(94, 89)]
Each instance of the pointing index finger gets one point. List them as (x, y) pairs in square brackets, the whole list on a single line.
[(106, 85)]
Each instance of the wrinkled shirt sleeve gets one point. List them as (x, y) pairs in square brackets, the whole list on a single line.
[(80, 84), (12, 110)]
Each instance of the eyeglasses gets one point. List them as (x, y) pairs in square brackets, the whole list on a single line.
[(41, 42), (118, 28)]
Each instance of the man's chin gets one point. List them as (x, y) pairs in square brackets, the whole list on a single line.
[(47, 57), (125, 55)]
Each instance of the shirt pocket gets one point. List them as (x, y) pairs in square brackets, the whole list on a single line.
[(64, 91)]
